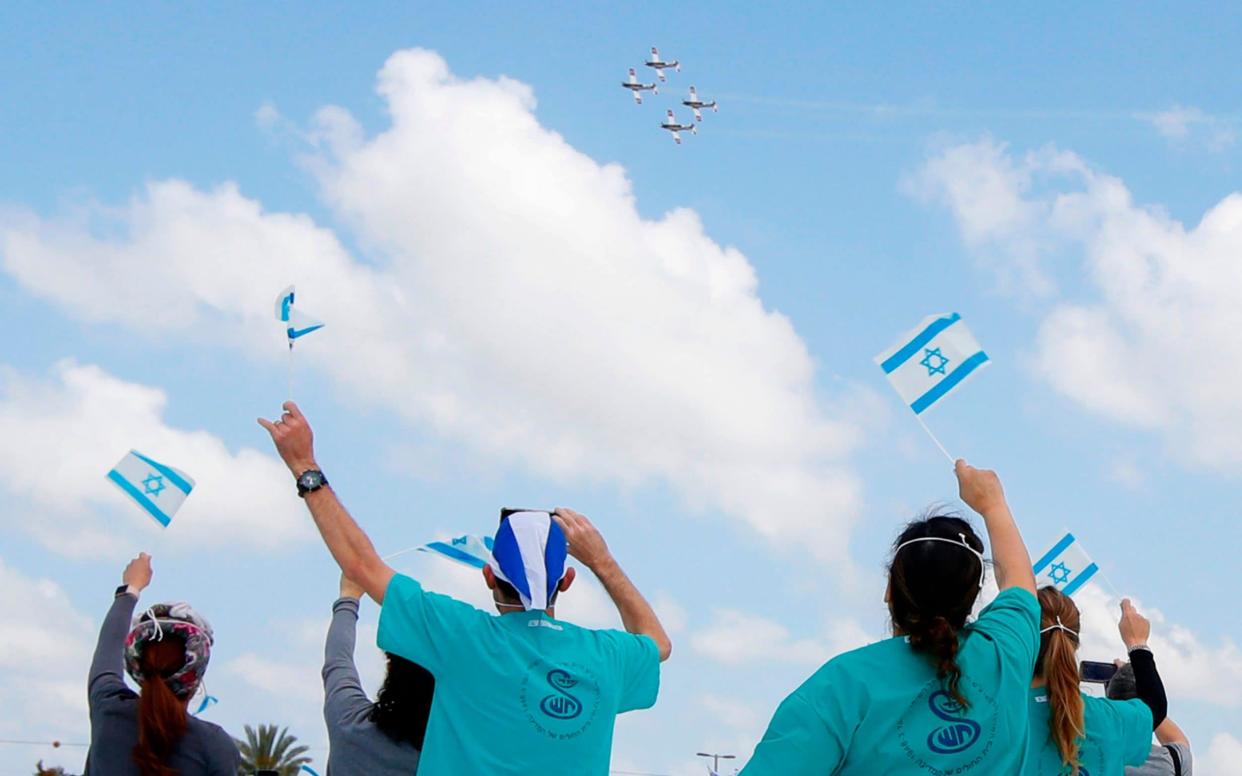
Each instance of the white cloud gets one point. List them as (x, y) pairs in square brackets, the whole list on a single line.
[(45, 653), (60, 436), (1151, 338), (513, 299), (1222, 758), (736, 637), (1183, 124)]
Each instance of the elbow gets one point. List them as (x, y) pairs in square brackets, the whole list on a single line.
[(664, 647)]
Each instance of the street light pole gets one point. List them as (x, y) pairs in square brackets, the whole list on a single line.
[(716, 758)]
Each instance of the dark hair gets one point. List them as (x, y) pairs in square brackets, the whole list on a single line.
[(404, 701), (510, 595), (1122, 686), (1058, 665), (162, 717), (932, 588)]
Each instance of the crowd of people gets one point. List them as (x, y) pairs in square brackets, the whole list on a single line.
[(523, 692)]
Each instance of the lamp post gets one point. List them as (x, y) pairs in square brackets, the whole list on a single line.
[(716, 758)]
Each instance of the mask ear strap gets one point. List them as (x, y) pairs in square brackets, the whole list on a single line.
[(1059, 626), (961, 543)]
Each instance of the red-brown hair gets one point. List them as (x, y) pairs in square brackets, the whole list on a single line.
[(1058, 665), (162, 719)]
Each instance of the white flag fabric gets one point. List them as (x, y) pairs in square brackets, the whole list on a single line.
[(1065, 566), (472, 551), (159, 489), (297, 324), (932, 360)]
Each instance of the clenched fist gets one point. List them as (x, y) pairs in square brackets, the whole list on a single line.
[(979, 488)]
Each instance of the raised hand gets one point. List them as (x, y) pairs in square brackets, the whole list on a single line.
[(1135, 628), (979, 488), (293, 438), (137, 574), (585, 541)]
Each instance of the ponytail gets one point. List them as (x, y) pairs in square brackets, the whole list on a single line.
[(1058, 665), (162, 719), (939, 640)]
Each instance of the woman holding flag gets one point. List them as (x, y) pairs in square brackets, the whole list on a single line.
[(940, 696), (165, 653), (1073, 733)]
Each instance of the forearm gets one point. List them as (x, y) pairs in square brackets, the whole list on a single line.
[(1148, 685), (1168, 732), (636, 614), (348, 544), (108, 657), (1009, 555)]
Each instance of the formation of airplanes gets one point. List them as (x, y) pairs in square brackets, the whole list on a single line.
[(671, 122)]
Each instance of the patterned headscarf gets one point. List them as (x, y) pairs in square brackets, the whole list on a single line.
[(179, 620)]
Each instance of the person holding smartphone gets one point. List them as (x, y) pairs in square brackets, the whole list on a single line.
[(941, 695), (520, 693), (1072, 732)]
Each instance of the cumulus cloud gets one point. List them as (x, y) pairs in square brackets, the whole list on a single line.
[(60, 435), (1150, 339), (1222, 758), (735, 638), (511, 298)]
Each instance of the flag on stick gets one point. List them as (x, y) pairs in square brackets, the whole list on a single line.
[(297, 324), (1065, 566), (473, 551), (931, 361), (159, 489)]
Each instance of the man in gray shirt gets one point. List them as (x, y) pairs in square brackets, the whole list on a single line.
[(1171, 757), (370, 739)]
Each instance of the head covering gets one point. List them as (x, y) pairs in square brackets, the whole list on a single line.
[(529, 553), (181, 621)]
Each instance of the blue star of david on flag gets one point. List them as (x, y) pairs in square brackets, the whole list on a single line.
[(1066, 566), (937, 368), (157, 488), (941, 341)]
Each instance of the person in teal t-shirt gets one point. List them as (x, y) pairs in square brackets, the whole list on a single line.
[(1076, 733), (517, 694), (942, 696)]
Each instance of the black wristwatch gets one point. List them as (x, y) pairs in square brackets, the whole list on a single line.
[(310, 481)]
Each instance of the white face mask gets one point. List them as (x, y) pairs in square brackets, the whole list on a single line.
[(961, 543)]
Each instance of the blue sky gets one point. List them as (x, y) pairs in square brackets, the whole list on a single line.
[(1043, 173)]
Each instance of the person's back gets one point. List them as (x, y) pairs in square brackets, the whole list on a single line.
[(518, 693), (941, 696), (151, 734), (1172, 755), (365, 738), (1117, 733)]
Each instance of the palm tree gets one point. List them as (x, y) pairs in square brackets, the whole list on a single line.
[(267, 748)]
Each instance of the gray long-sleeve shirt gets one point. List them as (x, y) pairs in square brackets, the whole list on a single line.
[(356, 746), (205, 750)]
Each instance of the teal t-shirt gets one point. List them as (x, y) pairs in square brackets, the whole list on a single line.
[(1118, 734), (517, 693), (881, 708)]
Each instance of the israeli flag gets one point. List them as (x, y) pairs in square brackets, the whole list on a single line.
[(310, 770), (159, 489), (529, 553), (472, 551), (932, 360), (1066, 566), (297, 325), (208, 702)]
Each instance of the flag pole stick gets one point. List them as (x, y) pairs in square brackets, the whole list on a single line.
[(398, 553), (289, 395), (952, 460)]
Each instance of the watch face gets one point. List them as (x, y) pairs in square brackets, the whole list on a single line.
[(311, 480)]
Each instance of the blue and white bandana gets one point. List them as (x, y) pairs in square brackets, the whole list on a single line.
[(529, 553)]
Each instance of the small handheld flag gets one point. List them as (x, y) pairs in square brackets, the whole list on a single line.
[(1066, 566), (310, 770), (159, 489), (297, 325), (473, 551), (931, 361), (207, 703)]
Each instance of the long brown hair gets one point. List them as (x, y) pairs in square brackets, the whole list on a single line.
[(932, 587), (1058, 665), (162, 719)]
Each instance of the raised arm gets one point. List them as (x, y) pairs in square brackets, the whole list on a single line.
[(348, 544), (343, 696), (1135, 629), (108, 665), (588, 546), (981, 490)]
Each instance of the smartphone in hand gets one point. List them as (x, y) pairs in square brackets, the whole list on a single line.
[(1095, 672)]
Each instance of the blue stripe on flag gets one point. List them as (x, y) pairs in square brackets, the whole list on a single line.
[(1051, 555), (915, 345), (489, 543), (293, 333), (1081, 579), (176, 479), (449, 551), (140, 497), (947, 384)]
